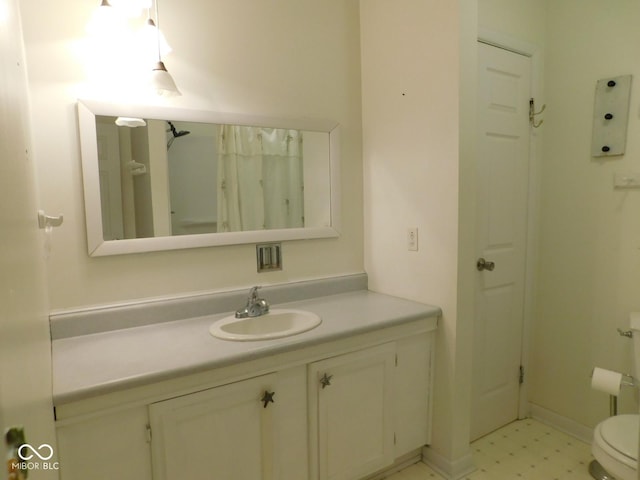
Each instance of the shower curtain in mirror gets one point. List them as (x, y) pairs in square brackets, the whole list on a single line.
[(260, 178)]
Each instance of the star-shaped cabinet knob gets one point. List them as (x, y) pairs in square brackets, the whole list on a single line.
[(267, 398), (325, 381)]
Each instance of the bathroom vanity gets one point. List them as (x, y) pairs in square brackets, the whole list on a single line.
[(164, 401)]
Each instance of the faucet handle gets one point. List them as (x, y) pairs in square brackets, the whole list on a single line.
[(253, 293)]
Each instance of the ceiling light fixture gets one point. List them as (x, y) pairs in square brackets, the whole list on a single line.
[(161, 80)]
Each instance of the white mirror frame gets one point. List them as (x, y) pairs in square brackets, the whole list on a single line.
[(97, 246)]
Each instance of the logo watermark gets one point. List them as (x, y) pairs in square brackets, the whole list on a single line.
[(44, 446), (26, 454)]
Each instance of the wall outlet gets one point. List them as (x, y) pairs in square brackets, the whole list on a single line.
[(412, 239), (269, 256)]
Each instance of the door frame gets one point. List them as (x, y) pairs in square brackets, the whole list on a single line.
[(535, 53)]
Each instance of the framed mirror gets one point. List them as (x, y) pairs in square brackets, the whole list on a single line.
[(159, 178)]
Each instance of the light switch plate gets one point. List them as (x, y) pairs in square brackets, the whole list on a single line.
[(412, 239), (627, 180)]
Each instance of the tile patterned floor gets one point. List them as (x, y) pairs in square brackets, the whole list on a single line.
[(523, 450)]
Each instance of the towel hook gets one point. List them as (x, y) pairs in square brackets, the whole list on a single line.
[(47, 221), (533, 113)]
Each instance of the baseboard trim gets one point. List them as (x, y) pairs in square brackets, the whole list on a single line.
[(562, 423), (449, 469), (400, 464)]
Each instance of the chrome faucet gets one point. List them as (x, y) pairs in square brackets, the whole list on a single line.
[(255, 306)]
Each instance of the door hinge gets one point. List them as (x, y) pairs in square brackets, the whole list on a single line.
[(396, 359), (521, 376), (148, 433), (395, 439)]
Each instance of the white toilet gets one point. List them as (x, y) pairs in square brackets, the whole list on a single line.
[(615, 440)]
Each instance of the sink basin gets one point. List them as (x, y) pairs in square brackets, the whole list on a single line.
[(277, 323)]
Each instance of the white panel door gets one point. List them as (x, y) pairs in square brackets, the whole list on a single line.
[(502, 179), (25, 343), (351, 398), (219, 434)]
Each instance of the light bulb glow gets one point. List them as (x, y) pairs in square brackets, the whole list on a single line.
[(106, 20), (4, 12), (130, 8)]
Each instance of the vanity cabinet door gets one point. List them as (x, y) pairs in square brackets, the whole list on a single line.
[(105, 447), (412, 392), (239, 431), (351, 413)]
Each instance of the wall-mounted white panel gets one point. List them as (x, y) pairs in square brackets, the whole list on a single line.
[(610, 115)]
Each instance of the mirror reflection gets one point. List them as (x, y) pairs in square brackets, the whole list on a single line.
[(165, 177)]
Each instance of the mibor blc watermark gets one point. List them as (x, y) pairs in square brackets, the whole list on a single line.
[(27, 458)]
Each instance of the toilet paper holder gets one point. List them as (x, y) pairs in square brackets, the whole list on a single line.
[(626, 380)]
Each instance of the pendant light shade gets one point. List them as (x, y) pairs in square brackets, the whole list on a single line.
[(162, 82)]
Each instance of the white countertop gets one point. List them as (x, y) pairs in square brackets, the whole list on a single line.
[(100, 363)]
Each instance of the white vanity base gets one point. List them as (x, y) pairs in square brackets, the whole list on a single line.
[(347, 400)]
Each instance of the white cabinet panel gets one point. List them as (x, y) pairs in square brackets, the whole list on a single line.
[(351, 413), (240, 431), (221, 433), (411, 392), (107, 447)]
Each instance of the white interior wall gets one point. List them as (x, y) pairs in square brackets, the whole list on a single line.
[(291, 58), (520, 19), (410, 89), (589, 269)]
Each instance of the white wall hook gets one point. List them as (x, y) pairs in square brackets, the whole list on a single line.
[(533, 113), (136, 168), (45, 221)]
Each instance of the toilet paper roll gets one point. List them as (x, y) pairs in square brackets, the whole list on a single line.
[(606, 381)]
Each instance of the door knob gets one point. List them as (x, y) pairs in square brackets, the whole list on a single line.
[(482, 264)]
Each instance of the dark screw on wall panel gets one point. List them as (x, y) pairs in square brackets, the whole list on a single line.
[(605, 149), (611, 83), (608, 116)]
